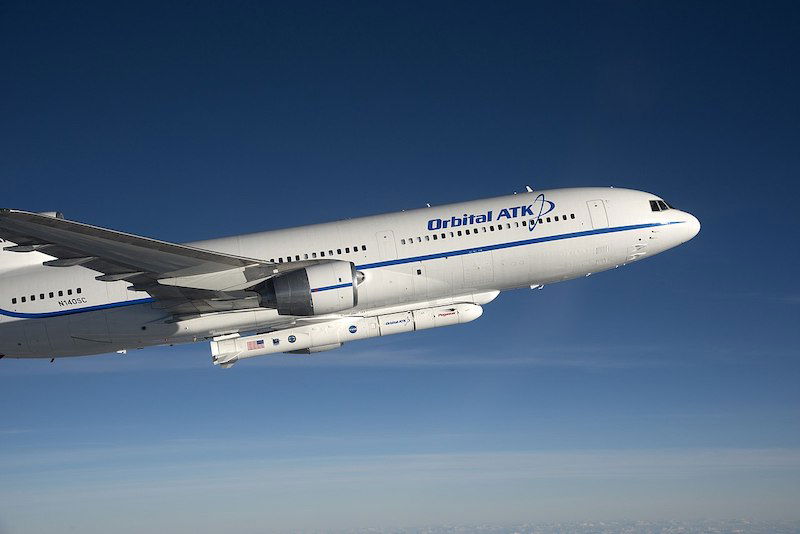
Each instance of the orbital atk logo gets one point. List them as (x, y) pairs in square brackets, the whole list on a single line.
[(535, 211)]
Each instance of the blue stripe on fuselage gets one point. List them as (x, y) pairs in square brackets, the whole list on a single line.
[(76, 310), (375, 265), (511, 244), (326, 288)]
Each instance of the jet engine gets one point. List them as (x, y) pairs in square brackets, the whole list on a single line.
[(318, 289)]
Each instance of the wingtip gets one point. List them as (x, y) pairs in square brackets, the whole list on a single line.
[(54, 214)]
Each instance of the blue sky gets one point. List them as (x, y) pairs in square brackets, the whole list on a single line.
[(667, 389)]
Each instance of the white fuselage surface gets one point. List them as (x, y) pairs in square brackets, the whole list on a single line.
[(413, 269)]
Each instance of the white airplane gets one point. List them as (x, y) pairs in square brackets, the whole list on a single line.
[(71, 289)]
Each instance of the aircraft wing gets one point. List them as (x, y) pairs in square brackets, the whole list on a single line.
[(186, 279)]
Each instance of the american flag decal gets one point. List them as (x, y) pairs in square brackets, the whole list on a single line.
[(253, 345)]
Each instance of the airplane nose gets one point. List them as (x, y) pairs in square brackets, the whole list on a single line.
[(692, 226)]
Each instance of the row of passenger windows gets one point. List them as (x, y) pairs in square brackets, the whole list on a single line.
[(659, 205), (483, 229), (43, 296), (321, 254)]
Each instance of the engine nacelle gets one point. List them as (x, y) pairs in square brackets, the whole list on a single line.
[(314, 290)]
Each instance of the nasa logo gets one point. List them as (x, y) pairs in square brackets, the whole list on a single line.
[(292, 339), (353, 329)]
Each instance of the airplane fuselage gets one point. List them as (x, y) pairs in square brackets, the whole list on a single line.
[(435, 256)]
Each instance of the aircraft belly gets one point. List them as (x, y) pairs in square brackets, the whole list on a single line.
[(13, 341)]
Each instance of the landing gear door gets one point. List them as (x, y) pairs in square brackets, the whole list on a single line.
[(386, 246), (597, 212)]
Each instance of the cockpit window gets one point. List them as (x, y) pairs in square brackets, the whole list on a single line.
[(659, 205)]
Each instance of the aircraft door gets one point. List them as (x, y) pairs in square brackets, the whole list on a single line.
[(386, 246), (597, 212)]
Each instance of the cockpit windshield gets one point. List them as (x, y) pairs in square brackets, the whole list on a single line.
[(659, 205)]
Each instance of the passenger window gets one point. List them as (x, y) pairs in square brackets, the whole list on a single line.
[(347, 250), (297, 257), (313, 254), (33, 297), (444, 235), (540, 221), (78, 290), (23, 299), (556, 218), (338, 251), (305, 256), (427, 238), (466, 231), (459, 233), (572, 216), (435, 237), (524, 223), (363, 247), (60, 294), (13, 301), (280, 260), (321, 253), (491, 228), (41, 296), (402, 241)]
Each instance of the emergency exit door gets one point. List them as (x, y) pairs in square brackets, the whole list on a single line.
[(597, 212), (386, 246)]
